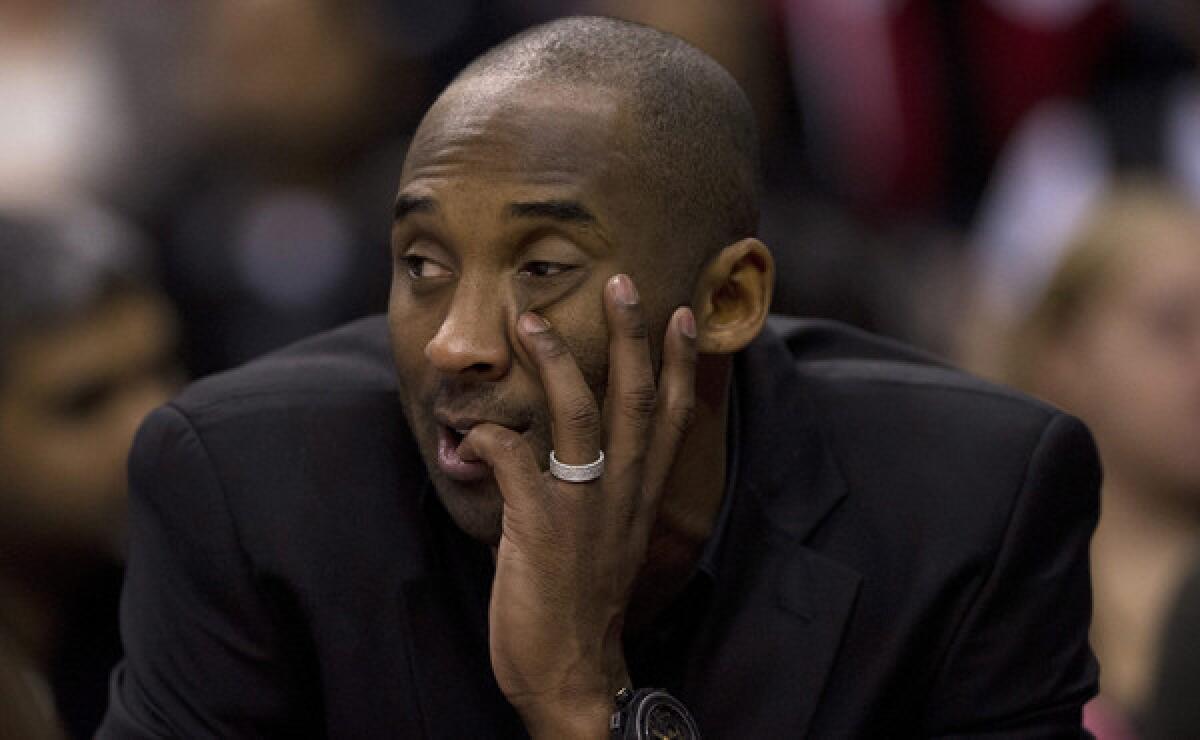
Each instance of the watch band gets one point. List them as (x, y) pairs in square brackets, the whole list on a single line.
[(650, 714)]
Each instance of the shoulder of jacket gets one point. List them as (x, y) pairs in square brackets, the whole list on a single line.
[(353, 359), (838, 357)]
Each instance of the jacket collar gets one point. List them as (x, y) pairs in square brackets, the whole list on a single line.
[(787, 467), (781, 606)]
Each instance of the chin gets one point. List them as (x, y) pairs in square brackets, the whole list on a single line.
[(476, 508)]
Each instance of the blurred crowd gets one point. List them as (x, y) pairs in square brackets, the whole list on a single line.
[(1012, 184)]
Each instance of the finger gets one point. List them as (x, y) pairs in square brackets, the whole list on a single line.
[(574, 416), (511, 459), (631, 397), (677, 399)]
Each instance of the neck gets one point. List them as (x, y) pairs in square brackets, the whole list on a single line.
[(693, 496), (30, 616), (34, 589), (1139, 523)]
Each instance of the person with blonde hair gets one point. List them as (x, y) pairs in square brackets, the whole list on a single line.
[(1114, 337)]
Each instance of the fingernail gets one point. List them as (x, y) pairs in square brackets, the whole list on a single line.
[(623, 290), (531, 323), (687, 323)]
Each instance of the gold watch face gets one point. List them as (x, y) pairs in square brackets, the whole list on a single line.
[(664, 722)]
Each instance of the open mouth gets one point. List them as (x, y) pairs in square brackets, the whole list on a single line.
[(450, 455), (450, 458), (456, 435)]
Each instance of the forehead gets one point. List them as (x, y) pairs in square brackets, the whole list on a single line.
[(522, 131), (1156, 253)]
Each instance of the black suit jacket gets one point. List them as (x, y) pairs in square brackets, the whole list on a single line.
[(906, 555)]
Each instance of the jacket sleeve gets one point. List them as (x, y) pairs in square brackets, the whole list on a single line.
[(204, 648), (1020, 665)]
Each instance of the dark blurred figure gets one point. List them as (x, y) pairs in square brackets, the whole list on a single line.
[(1174, 711), (86, 350), (65, 126), (264, 237), (907, 104)]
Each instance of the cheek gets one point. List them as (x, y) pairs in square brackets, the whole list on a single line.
[(1139, 371), (588, 342), (410, 328), (1135, 393), (63, 475)]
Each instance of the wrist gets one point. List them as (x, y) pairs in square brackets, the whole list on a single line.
[(579, 718), (575, 703), (572, 711)]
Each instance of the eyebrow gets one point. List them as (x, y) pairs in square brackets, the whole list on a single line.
[(565, 211), (568, 211), (406, 204)]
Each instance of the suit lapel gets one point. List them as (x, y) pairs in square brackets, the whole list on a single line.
[(765, 661), (781, 607)]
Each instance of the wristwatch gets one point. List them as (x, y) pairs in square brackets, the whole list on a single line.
[(651, 714)]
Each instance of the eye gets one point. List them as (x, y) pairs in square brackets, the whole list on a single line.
[(85, 401), (538, 268), (423, 268), (1173, 324)]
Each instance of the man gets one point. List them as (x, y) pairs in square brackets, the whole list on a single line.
[(797, 531)]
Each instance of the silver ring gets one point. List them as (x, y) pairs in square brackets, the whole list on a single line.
[(577, 473)]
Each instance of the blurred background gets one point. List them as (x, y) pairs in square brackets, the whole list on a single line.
[(1011, 184)]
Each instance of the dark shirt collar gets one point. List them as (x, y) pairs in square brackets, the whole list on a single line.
[(710, 556), (660, 656)]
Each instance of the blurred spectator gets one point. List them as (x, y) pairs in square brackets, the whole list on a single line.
[(89, 105), (86, 349), (906, 104), (1112, 334), (65, 128), (266, 239)]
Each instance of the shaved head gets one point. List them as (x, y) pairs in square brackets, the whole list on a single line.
[(693, 145)]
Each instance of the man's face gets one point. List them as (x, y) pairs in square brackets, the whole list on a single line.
[(514, 197)]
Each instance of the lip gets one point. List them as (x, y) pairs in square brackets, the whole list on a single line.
[(458, 423), (464, 423), (452, 464), (449, 461)]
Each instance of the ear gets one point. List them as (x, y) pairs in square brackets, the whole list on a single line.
[(733, 297)]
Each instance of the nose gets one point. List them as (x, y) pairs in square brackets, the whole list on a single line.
[(472, 340)]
